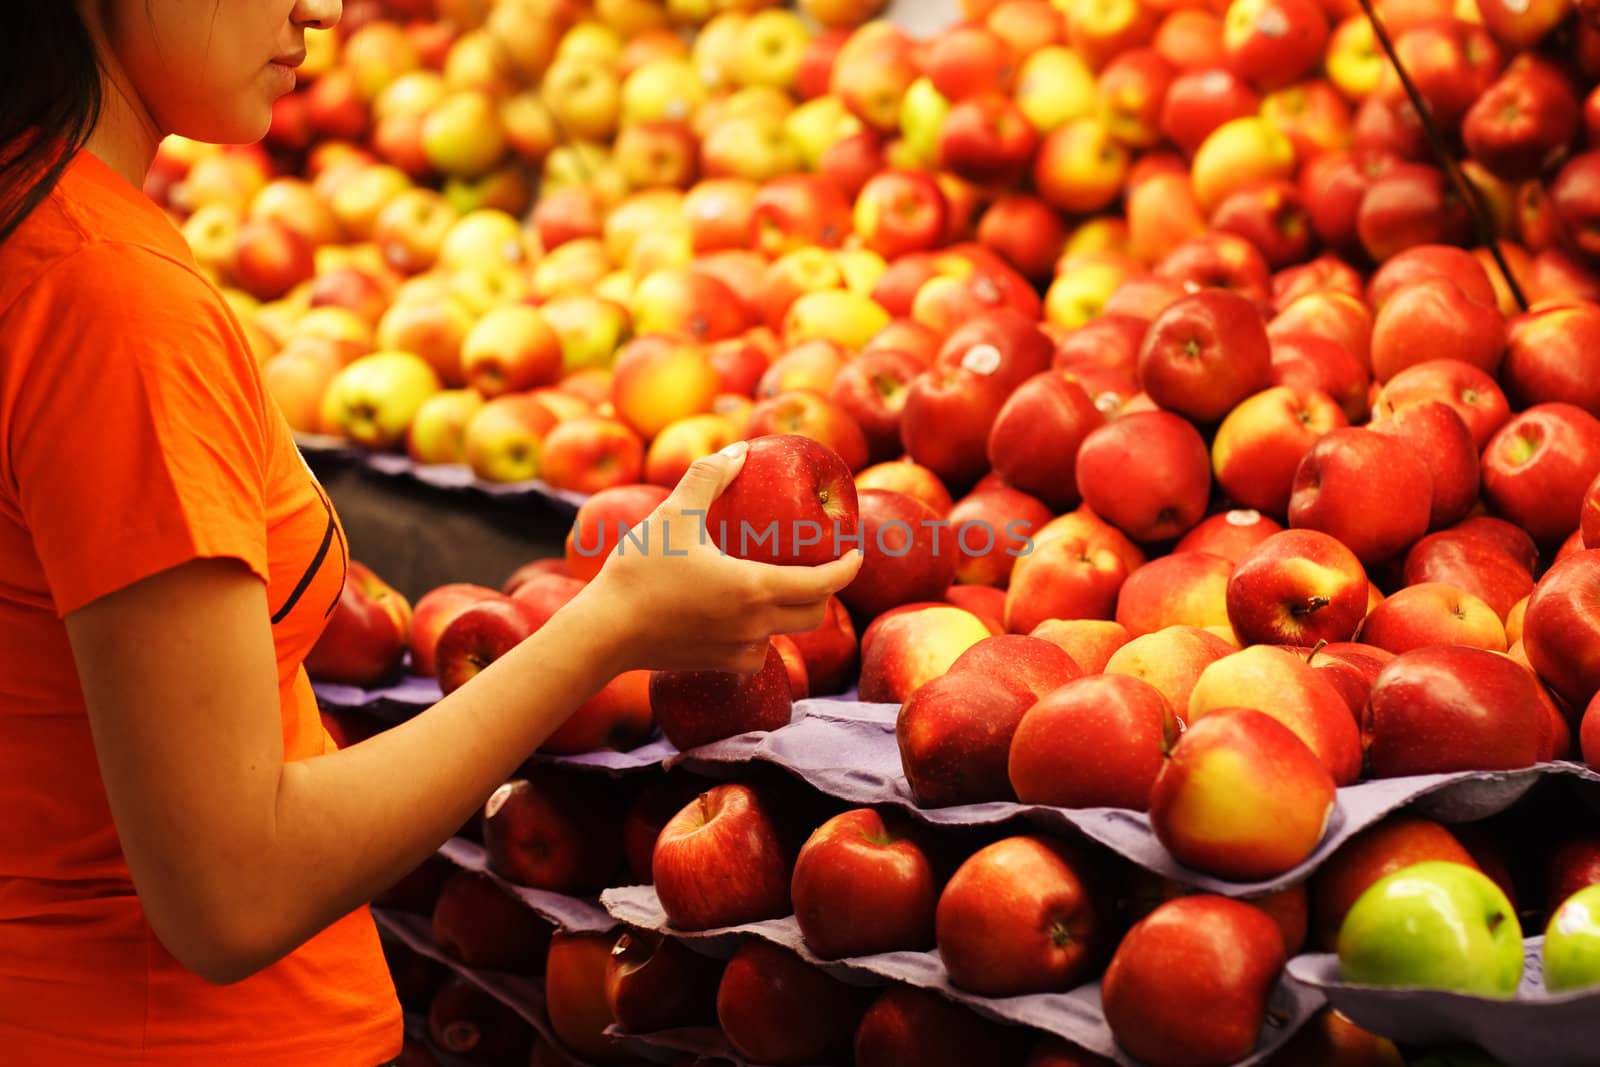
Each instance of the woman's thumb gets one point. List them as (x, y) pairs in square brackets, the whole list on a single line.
[(707, 477)]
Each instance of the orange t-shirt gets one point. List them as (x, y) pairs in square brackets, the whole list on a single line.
[(135, 434)]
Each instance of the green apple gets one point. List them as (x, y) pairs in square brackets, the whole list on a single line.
[(1433, 925), (1572, 943), (922, 113)]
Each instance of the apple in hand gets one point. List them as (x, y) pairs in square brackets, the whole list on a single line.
[(695, 708), (654, 982), (1191, 981), (792, 502), (1571, 953), (1433, 925), (863, 884), (1023, 915), (1297, 587), (774, 1007), (1452, 708), (722, 861), (1097, 741), (366, 635), (479, 635)]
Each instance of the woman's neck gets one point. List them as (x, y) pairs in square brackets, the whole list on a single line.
[(125, 137)]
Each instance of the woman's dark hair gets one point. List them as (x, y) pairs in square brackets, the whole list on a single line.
[(49, 100)]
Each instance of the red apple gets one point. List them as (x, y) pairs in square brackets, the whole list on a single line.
[(695, 708), (478, 923), (862, 885), (575, 995), (774, 1007), (1204, 354), (1470, 390), (1035, 438), (954, 735), (1371, 491), (1432, 315), (1180, 589), (1262, 441), (1546, 353), (366, 635), (1098, 741), (1297, 587), (1147, 473), (989, 529), (1559, 628), (900, 211), (908, 1025), (722, 861), (588, 453), (464, 1019), (793, 502), (1441, 436), (909, 554), (480, 634), (1538, 465), (654, 982), (1229, 534), (871, 389)]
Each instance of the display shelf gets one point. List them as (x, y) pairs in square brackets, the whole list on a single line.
[(1534, 1028), (1075, 1016), (571, 914)]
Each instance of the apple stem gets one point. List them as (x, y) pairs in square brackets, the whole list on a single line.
[(1481, 220), (1318, 647), (1315, 603)]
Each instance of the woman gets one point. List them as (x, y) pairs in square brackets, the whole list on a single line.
[(184, 856)]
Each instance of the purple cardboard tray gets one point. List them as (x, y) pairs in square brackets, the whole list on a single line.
[(849, 751), (1534, 1028), (1075, 1016), (572, 914), (705, 1042)]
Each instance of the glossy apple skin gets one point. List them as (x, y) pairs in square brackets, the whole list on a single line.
[(907, 554), (553, 832), (954, 734), (1571, 954), (1472, 563), (723, 860), (1297, 587), (575, 995), (1098, 741), (1181, 589), (602, 520), (1452, 708), (695, 708), (1260, 443), (1204, 354), (1397, 841), (1537, 467), (1147, 473), (1434, 925), (654, 982), (1561, 627), (1070, 576), (1229, 534), (1190, 982), (908, 1025), (1546, 353), (1023, 915), (366, 635), (990, 528), (1280, 797), (432, 613), (480, 924), (1475, 395), (798, 488), (863, 884), (479, 635), (1371, 491), (1037, 434), (1443, 439)]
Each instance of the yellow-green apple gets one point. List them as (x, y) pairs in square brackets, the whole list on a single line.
[(1526, 118), (481, 237), (1273, 217), (602, 520), (1537, 466), (1079, 167), (583, 98), (1443, 439), (1147, 473), (773, 1007), (1472, 391), (1026, 914), (1568, 954), (438, 431), (1305, 361), (435, 610), (863, 884), (373, 399), (1272, 43), (1281, 684), (987, 139), (909, 645), (479, 634), (1435, 311), (1411, 204), (510, 349), (1198, 101), (1447, 708), (1227, 953), (1473, 564), (1038, 431), (1170, 660), (1054, 86), (1096, 741), (771, 44), (1297, 587), (1395, 842), (591, 452), (990, 528), (793, 502), (871, 389), (1180, 589), (1279, 796), (909, 554), (695, 708), (1204, 354), (1239, 153), (1544, 356), (912, 479), (1229, 534), (722, 860), (1090, 642), (659, 379), (366, 635), (1433, 613), (1262, 440), (560, 832), (674, 450), (1558, 628), (1433, 925), (1069, 576), (1372, 491), (654, 982), (848, 318), (900, 211), (503, 440), (907, 1024), (477, 922)]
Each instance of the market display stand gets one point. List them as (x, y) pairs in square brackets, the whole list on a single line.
[(1534, 1029)]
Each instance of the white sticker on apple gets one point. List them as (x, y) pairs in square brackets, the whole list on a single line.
[(982, 359), (1243, 517), (497, 800), (1573, 918), (1273, 23)]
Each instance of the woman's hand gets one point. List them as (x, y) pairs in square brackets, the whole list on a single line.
[(682, 604)]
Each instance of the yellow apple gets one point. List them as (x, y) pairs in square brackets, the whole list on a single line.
[(1240, 153), (373, 400), (462, 134), (665, 88), (438, 430), (1055, 86), (483, 238), (771, 45), (847, 318), (817, 125), (584, 97)]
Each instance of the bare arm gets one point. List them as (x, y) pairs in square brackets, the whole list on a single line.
[(238, 857)]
